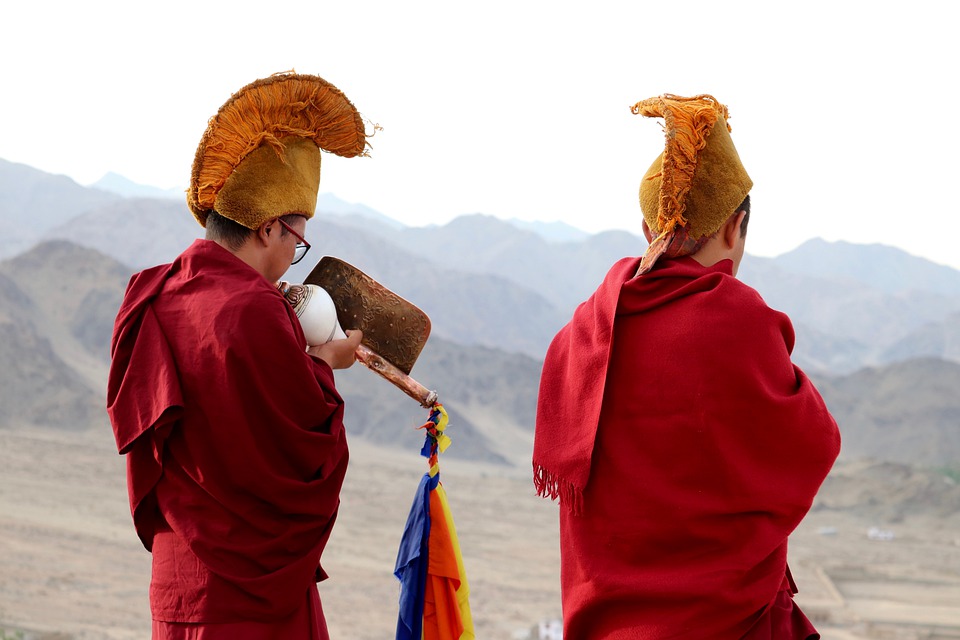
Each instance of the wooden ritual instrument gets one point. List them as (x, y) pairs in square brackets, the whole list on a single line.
[(394, 330)]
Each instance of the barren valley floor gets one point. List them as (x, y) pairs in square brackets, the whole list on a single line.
[(72, 568)]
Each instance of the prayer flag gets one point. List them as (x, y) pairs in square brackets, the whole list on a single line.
[(434, 594)]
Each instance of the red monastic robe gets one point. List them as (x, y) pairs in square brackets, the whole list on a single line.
[(235, 448), (685, 447)]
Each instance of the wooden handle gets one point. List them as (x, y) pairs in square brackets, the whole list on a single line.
[(405, 383)]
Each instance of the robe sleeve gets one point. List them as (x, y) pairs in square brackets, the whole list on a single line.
[(252, 473), (144, 401)]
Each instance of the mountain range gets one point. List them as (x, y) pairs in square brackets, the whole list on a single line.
[(878, 329)]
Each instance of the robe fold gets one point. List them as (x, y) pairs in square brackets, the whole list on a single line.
[(234, 440), (684, 446)]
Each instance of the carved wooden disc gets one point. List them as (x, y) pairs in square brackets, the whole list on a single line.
[(392, 326)]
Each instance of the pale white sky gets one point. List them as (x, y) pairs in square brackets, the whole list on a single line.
[(843, 112)]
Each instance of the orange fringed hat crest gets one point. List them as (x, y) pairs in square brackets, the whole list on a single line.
[(259, 158), (698, 181)]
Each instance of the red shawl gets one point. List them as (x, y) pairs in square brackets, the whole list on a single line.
[(233, 435), (685, 447)]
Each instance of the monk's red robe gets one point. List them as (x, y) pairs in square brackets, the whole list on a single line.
[(235, 448), (685, 447)]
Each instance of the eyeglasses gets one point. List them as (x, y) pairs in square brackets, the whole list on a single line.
[(302, 245)]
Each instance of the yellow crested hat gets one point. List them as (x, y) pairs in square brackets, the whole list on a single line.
[(259, 158), (698, 180)]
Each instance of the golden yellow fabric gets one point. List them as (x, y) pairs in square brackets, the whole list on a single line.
[(258, 124), (698, 179), (267, 185)]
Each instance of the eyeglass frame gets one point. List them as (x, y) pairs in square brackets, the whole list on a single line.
[(302, 242)]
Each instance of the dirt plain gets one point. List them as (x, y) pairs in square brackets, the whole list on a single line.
[(72, 568)]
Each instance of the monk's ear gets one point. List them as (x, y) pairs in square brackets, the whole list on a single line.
[(265, 232), (731, 229), (647, 233)]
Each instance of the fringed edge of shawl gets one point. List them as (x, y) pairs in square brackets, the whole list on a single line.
[(552, 486)]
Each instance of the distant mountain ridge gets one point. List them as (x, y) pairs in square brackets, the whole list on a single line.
[(52, 356), (564, 273), (55, 330), (470, 308), (494, 284), (934, 340), (353, 213), (851, 323), (115, 183), (496, 295), (556, 231), (904, 412), (32, 202), (878, 266), (58, 302)]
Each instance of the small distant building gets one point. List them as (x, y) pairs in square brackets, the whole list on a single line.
[(876, 533), (550, 630)]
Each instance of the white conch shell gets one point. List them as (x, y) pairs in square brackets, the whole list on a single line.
[(317, 314)]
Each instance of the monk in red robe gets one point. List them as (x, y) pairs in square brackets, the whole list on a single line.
[(232, 429), (683, 444)]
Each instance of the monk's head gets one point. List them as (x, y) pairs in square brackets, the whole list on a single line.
[(697, 183), (729, 241), (271, 248)]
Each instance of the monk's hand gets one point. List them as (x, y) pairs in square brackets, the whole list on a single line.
[(339, 354)]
